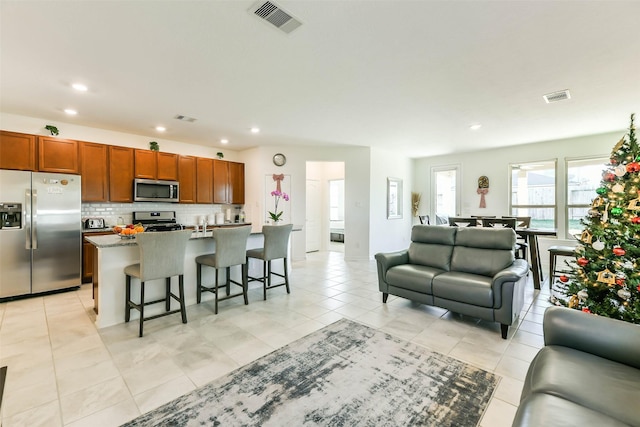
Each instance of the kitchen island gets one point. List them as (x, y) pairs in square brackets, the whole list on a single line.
[(113, 254)]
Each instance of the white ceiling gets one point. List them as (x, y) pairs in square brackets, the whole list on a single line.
[(400, 75)]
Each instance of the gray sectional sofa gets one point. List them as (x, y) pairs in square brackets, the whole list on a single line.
[(471, 271), (587, 374)]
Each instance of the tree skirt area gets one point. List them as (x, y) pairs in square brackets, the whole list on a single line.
[(345, 374)]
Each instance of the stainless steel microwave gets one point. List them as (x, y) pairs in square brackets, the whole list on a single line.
[(149, 190)]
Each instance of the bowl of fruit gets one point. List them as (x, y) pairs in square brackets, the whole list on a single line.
[(128, 231)]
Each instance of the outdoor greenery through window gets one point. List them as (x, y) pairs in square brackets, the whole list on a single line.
[(533, 192), (583, 178)]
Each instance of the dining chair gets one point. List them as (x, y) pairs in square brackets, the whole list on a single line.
[(499, 222), (161, 257), (276, 246), (231, 246), (522, 244), (424, 219), (463, 222)]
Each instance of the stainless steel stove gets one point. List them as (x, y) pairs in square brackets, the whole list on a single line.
[(157, 220)]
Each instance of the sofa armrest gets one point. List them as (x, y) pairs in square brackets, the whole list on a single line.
[(513, 273), (391, 259), (601, 336)]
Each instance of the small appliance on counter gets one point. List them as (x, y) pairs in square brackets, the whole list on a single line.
[(157, 221), (94, 223)]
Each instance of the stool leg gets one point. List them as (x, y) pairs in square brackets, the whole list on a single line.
[(183, 308), (199, 283), (286, 276), (167, 295), (228, 281), (141, 306), (552, 269), (264, 278), (127, 308), (216, 293), (244, 269)]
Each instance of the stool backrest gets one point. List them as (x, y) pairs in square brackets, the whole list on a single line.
[(231, 245), (276, 240), (162, 253)]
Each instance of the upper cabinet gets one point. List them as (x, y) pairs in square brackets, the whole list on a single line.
[(228, 182), (17, 151), (155, 165), (187, 178), (121, 161), (94, 171), (204, 180), (58, 155)]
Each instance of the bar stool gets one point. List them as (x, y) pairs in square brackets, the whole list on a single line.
[(554, 252), (231, 246), (276, 243), (161, 257)]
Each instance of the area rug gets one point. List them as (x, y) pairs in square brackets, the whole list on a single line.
[(346, 374)]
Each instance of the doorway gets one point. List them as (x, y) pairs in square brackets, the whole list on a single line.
[(325, 207)]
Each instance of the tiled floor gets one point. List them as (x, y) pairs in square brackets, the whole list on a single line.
[(64, 372)]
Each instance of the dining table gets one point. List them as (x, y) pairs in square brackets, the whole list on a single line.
[(530, 235)]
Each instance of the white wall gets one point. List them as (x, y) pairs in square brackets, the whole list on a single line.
[(389, 234)]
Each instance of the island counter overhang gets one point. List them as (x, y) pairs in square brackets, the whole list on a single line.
[(112, 254)]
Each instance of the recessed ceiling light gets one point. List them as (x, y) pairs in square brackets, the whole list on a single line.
[(70, 112), (255, 130), (80, 87), (161, 128), (224, 141), (475, 126)]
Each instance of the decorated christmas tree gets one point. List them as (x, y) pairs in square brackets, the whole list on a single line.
[(605, 279)]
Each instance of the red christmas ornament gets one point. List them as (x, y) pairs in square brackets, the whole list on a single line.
[(635, 220), (582, 262), (620, 281), (609, 177), (564, 279), (638, 288), (586, 310), (633, 167), (619, 251)]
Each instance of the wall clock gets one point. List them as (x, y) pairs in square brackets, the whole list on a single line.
[(279, 159)]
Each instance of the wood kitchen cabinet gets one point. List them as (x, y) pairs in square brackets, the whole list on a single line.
[(155, 165), (187, 178), (17, 151), (204, 180), (228, 182), (121, 160), (88, 253), (58, 155), (94, 169)]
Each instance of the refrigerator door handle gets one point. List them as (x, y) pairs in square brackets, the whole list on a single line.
[(27, 219), (34, 220)]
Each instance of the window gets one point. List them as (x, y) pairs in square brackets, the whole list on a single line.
[(446, 194), (336, 200), (583, 178), (533, 192)]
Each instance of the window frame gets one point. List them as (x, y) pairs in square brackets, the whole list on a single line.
[(554, 206), (605, 159)]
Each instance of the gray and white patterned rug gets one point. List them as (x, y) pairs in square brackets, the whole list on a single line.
[(345, 374)]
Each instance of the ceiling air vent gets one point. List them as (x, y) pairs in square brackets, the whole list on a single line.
[(275, 15), (557, 96), (183, 118)]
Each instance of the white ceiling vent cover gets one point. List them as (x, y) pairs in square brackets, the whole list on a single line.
[(184, 118), (275, 15), (557, 96)]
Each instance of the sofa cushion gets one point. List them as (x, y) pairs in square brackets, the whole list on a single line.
[(483, 251), (432, 246), (468, 288), (587, 380), (546, 410), (413, 277)]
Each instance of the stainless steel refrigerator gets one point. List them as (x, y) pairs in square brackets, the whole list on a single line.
[(40, 232)]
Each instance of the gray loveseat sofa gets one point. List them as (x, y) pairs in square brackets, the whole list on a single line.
[(471, 271), (588, 373)]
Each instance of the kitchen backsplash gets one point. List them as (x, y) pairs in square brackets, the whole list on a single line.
[(186, 214)]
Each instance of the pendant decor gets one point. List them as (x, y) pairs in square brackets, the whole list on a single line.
[(483, 188)]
